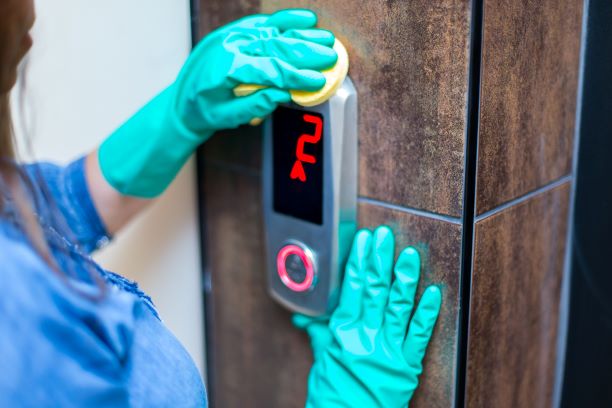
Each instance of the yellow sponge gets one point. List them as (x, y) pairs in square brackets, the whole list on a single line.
[(334, 77)]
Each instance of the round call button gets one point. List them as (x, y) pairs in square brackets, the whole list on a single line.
[(295, 267)]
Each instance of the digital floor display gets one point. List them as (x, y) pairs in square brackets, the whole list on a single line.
[(297, 139)]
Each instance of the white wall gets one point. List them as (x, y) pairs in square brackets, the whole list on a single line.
[(93, 64)]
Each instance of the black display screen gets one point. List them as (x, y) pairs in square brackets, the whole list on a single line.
[(297, 148)]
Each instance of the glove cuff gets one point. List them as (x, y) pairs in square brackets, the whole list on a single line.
[(144, 155)]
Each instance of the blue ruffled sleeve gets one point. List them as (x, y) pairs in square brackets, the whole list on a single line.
[(70, 195)]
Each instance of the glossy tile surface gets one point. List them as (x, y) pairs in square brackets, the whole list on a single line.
[(256, 354), (412, 120), (409, 62), (517, 272), (256, 357), (439, 244), (528, 96)]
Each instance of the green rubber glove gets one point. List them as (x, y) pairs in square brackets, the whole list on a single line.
[(282, 51), (370, 353)]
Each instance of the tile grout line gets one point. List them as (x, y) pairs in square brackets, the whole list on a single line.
[(410, 210), (541, 190)]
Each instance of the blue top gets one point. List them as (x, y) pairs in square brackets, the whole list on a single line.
[(61, 342)]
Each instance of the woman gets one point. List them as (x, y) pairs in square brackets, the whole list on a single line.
[(73, 334)]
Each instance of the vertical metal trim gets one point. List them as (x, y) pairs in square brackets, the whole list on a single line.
[(564, 307), (469, 195)]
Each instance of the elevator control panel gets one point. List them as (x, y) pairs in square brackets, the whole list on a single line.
[(310, 200)]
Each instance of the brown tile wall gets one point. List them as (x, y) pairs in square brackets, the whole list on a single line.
[(409, 62), (215, 13), (411, 78), (410, 65), (528, 96), (530, 60), (256, 354), (516, 284), (439, 244)]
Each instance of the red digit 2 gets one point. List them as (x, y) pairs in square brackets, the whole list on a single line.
[(297, 172)]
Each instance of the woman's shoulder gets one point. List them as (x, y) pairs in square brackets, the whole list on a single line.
[(56, 339), (24, 274), (28, 282), (19, 262), (26, 279)]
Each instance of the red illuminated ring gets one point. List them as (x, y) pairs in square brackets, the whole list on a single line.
[(281, 267)]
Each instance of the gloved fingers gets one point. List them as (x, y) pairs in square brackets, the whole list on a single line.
[(421, 328), (351, 293), (316, 35), (257, 105), (292, 19), (299, 53), (274, 72), (378, 277), (401, 298)]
